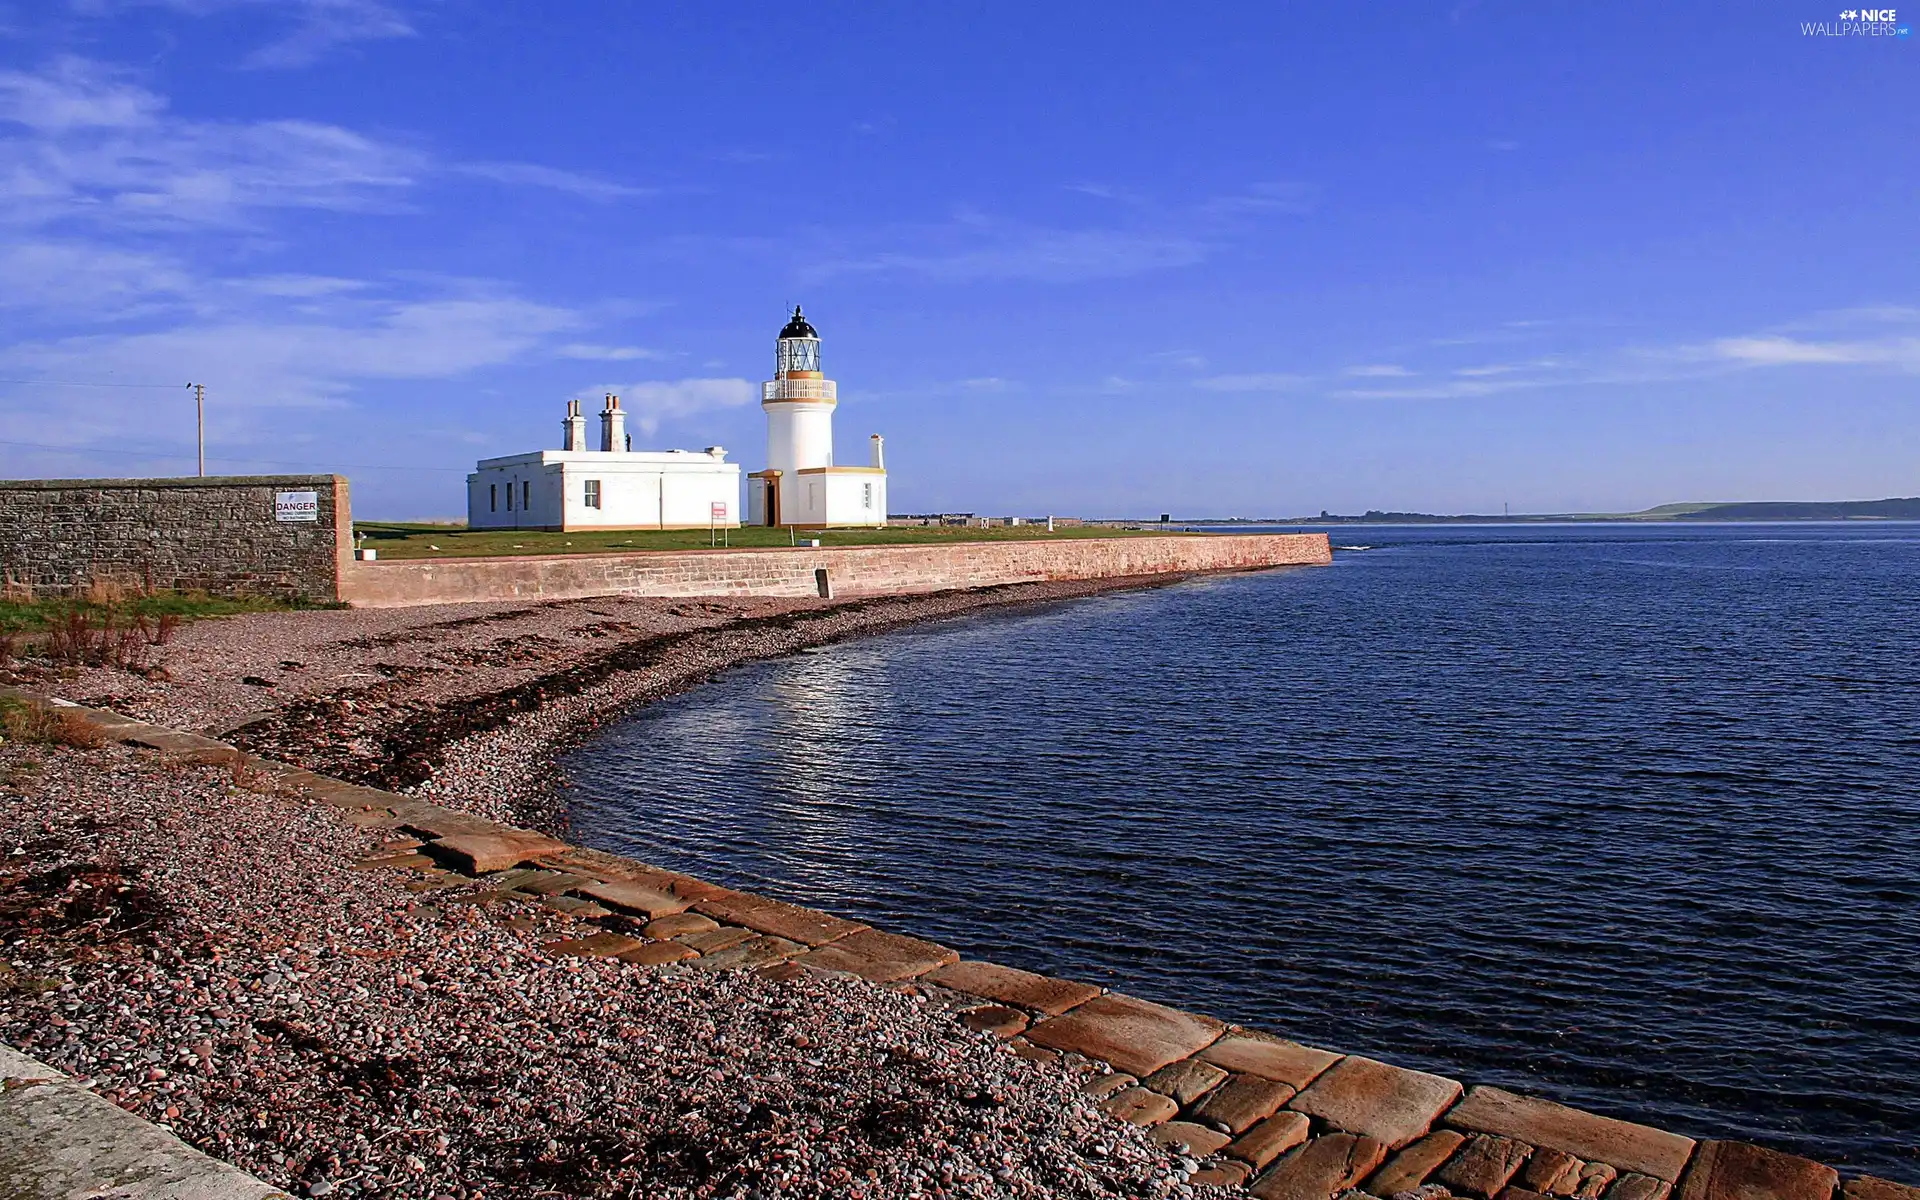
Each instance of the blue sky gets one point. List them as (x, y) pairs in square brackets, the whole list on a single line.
[(1226, 259)]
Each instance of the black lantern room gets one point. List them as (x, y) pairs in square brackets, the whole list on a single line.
[(798, 349)]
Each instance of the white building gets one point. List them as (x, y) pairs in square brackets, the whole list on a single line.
[(614, 487), (802, 484)]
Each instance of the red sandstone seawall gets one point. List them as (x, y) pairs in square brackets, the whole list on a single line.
[(851, 570)]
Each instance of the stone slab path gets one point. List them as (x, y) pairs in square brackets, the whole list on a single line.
[(59, 1141), (1243, 1107)]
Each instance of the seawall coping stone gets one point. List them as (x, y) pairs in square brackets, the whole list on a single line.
[(1621, 1144), (59, 1141)]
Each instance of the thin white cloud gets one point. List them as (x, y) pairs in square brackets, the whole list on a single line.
[(1901, 352), (85, 143), (1379, 371), (587, 187), (96, 148), (599, 353), (650, 403), (1259, 382), (973, 246), (307, 30)]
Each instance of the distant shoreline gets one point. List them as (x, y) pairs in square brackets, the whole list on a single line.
[(1893, 509)]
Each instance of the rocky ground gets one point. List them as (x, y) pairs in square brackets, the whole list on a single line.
[(209, 957), (468, 703)]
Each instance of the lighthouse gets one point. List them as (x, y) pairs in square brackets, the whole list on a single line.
[(802, 485)]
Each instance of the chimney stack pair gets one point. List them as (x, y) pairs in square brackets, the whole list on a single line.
[(613, 426)]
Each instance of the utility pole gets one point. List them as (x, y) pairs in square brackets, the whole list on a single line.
[(200, 421)]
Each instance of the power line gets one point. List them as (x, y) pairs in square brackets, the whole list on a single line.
[(75, 383), (265, 462)]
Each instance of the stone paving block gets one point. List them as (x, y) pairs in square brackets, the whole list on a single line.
[(654, 954), (1186, 1080), (1133, 1035), (1409, 1168), (1389, 1104), (1621, 1144), (406, 861), (881, 957), (778, 918), (1738, 1171), (996, 1019), (677, 924), (1485, 1166), (714, 940), (1221, 1172), (1595, 1179), (1184, 1137), (1009, 985), (1270, 1139), (574, 908), (1241, 1101), (781, 972), (595, 945), (1635, 1186), (1245, 1052), (761, 951), (633, 896), (1551, 1172), (1327, 1165), (1869, 1187), (1101, 1086), (1032, 1053), (550, 883), (1515, 1192), (1140, 1106), (484, 852)]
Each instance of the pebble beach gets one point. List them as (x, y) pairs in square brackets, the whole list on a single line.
[(214, 955)]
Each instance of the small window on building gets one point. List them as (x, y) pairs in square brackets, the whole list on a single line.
[(526, 494), (593, 493), (509, 496), (493, 497), (866, 495)]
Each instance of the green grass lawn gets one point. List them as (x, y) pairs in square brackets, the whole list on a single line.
[(399, 539)]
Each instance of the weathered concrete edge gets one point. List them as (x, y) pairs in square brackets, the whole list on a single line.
[(447, 828), (781, 571), (58, 1140)]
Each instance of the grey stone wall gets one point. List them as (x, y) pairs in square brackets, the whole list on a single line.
[(218, 534)]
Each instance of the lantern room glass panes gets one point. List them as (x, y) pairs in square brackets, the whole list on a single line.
[(796, 354)]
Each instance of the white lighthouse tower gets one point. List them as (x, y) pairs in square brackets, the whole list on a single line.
[(802, 485)]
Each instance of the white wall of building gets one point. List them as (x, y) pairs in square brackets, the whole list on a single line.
[(636, 490)]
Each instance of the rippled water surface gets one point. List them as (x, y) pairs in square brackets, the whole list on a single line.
[(1624, 815)]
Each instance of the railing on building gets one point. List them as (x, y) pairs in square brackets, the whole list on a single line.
[(799, 389)]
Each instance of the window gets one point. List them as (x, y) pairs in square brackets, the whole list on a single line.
[(526, 494), (509, 495), (866, 495), (493, 497), (593, 493)]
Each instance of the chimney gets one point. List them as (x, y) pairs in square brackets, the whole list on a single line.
[(879, 455), (574, 428), (613, 425)]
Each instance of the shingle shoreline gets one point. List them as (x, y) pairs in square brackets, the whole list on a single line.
[(1245, 1108)]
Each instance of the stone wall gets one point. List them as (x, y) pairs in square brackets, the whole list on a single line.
[(219, 534), (849, 570)]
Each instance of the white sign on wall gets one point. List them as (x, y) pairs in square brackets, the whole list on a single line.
[(296, 506)]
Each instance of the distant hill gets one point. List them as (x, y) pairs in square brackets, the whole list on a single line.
[(1895, 509), (1907, 509)]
